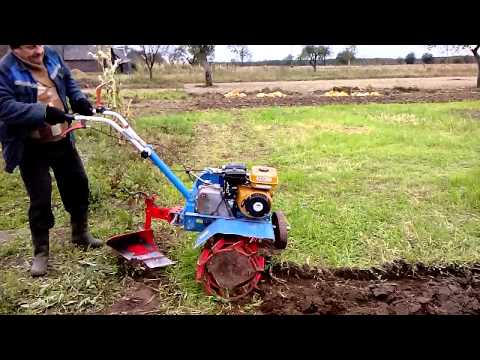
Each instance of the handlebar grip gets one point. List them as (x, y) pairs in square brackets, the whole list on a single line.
[(70, 118)]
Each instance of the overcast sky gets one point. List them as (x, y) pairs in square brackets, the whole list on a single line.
[(278, 52)]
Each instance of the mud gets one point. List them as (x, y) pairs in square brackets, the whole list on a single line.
[(395, 289)]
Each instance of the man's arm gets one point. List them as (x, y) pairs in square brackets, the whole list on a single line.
[(13, 112)]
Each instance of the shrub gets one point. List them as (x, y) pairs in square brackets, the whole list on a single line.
[(410, 58), (427, 58)]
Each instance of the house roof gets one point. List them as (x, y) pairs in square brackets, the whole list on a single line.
[(121, 53), (75, 52), (78, 52), (3, 50)]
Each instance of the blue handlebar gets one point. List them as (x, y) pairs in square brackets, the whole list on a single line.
[(170, 175)]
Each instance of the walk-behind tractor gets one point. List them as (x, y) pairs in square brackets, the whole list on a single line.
[(230, 206)]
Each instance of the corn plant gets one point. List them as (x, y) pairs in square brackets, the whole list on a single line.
[(111, 97)]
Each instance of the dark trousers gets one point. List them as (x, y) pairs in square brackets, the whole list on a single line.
[(72, 182)]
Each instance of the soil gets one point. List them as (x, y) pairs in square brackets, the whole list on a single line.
[(396, 289), (218, 101), (140, 298)]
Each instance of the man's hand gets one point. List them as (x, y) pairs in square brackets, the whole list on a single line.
[(54, 116), (83, 107)]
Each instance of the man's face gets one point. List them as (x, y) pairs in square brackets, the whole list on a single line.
[(30, 53)]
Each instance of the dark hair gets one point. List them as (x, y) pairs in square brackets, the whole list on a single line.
[(14, 46)]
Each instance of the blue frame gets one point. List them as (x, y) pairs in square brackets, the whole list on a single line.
[(211, 225)]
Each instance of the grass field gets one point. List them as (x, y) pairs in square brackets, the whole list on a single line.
[(360, 185), (175, 76)]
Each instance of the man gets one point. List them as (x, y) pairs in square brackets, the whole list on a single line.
[(34, 86)]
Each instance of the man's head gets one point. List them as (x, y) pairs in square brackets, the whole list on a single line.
[(31, 53)]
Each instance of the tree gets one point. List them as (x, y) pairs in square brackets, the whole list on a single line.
[(400, 60), (410, 58), (457, 48), (325, 52), (178, 54), (289, 60), (241, 51), (427, 58), (347, 55), (152, 54), (202, 54), (314, 54)]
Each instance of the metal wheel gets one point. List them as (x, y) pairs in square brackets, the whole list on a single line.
[(230, 268)]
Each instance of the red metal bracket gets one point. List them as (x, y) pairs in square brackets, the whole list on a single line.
[(78, 125), (153, 211)]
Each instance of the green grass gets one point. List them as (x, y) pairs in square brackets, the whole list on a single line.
[(360, 185), (154, 94)]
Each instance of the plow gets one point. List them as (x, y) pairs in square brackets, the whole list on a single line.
[(230, 206)]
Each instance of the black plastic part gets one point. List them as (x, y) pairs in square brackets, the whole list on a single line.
[(240, 166), (144, 154), (280, 230), (257, 198), (235, 173), (70, 118)]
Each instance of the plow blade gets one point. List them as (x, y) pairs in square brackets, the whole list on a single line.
[(139, 247)]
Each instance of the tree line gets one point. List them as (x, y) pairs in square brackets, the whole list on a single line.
[(313, 55)]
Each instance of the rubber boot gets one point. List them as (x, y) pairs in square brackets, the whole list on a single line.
[(81, 235), (40, 253)]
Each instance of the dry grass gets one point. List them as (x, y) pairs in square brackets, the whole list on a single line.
[(175, 76)]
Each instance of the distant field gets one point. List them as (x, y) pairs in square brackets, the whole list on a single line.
[(176, 76)]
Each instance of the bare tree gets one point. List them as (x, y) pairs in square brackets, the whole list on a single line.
[(314, 54), (457, 48), (202, 54), (151, 54), (242, 51)]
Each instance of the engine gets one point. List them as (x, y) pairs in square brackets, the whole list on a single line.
[(248, 194)]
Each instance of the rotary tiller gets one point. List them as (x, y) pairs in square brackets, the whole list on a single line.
[(230, 207)]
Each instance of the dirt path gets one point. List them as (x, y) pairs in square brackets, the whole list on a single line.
[(316, 85)]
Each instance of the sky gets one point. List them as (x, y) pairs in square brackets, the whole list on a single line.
[(278, 52)]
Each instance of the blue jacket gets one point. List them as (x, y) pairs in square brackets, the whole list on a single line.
[(19, 111)]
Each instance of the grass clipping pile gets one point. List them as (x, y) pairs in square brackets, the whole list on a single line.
[(261, 94), (349, 91)]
